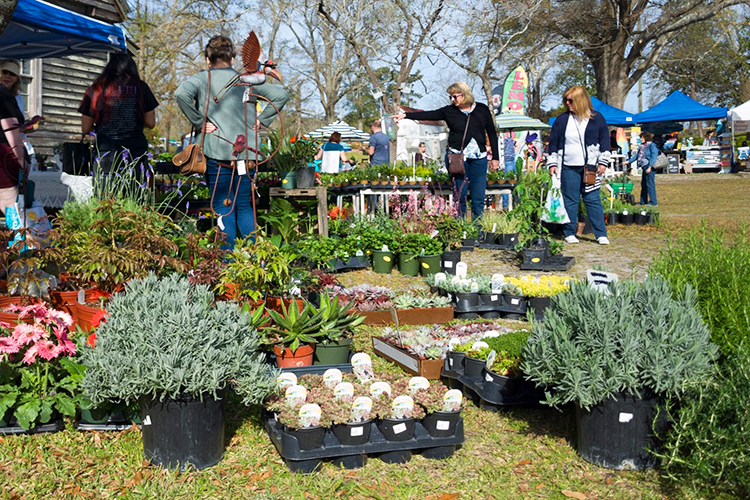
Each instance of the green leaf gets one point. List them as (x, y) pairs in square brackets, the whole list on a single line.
[(27, 413)]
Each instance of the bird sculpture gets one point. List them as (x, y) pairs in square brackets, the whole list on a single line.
[(256, 72)]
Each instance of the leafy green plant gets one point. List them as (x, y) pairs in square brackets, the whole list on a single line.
[(336, 322), (450, 231), (529, 206), (284, 219), (499, 222), (636, 337), (294, 326), (188, 345), (719, 270)]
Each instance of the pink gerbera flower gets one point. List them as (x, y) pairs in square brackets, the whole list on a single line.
[(3, 324), (24, 333), (47, 349), (61, 317), (8, 345), (67, 347), (30, 355)]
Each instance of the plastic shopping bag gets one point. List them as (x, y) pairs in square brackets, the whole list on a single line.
[(554, 208)]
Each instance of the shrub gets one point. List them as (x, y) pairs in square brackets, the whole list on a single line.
[(720, 273), (167, 338), (635, 337)]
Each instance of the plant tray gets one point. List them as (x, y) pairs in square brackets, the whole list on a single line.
[(54, 426), (354, 456), (109, 426), (552, 263), (492, 246), (493, 389), (353, 264), (317, 369), (416, 316), (428, 368)]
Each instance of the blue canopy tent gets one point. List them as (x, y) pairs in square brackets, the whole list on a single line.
[(612, 115), (678, 107), (40, 29)]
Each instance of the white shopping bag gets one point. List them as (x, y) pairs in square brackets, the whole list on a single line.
[(554, 208)]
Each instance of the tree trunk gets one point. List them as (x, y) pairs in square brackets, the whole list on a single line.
[(612, 81)]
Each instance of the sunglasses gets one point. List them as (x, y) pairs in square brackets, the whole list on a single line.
[(568, 100), (453, 97)]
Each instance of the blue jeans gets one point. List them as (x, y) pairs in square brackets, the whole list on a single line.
[(648, 188), (475, 182), (237, 218), (510, 166), (572, 191)]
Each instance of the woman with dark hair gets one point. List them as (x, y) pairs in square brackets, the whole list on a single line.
[(579, 142), (116, 107), (645, 158), (332, 153), (229, 178), (469, 124), (12, 157)]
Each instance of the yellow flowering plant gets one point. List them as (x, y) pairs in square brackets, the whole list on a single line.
[(541, 286)]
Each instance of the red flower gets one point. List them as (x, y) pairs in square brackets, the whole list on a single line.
[(91, 340), (293, 139), (99, 318)]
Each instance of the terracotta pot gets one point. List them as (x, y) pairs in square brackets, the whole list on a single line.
[(85, 316), (274, 303), (6, 300), (303, 356)]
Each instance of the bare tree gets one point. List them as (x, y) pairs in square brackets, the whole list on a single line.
[(624, 38)]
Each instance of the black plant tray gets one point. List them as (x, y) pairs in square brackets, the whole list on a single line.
[(509, 391), (353, 264), (55, 426), (307, 461), (552, 263), (488, 311), (317, 369), (492, 246)]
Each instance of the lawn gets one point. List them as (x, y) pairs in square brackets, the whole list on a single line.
[(515, 453)]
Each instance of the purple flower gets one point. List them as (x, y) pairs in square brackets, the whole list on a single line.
[(149, 155), (202, 183), (143, 186), (143, 169), (96, 159), (92, 134), (187, 206), (201, 216), (179, 192), (148, 175), (125, 154)]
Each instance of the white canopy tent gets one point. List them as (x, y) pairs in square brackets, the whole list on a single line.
[(740, 117), (348, 133)]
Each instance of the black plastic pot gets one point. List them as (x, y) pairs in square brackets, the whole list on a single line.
[(626, 218), (534, 255), (308, 438), (490, 238), (613, 219), (617, 432), (508, 240), (473, 367), (491, 299), (355, 433), (640, 218), (466, 300), (305, 178), (178, 433), (456, 361), (441, 423), (397, 429), (539, 304), (515, 304), (449, 260)]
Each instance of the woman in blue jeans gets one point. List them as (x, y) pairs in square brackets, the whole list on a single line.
[(579, 141), (645, 158), (469, 124), (229, 173)]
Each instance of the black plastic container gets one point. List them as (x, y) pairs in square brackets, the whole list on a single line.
[(617, 432), (308, 438), (182, 433), (393, 429), (354, 433), (491, 391), (465, 301), (626, 218), (449, 260), (509, 240), (489, 238), (473, 367), (538, 305), (455, 360), (441, 423), (640, 218)]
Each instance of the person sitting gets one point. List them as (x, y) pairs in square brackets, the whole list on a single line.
[(421, 157), (332, 154)]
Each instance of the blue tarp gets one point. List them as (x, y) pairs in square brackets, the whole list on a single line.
[(40, 29), (678, 107), (612, 115)]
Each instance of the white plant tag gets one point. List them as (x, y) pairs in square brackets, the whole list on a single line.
[(309, 415), (488, 377), (461, 269), (493, 298), (362, 366), (515, 301), (379, 388), (442, 425), (147, 420), (479, 345), (81, 297), (434, 233), (450, 362), (241, 168), (453, 343), (490, 359), (296, 395), (439, 278), (344, 390), (452, 400), (357, 431), (399, 428), (402, 407), (332, 377), (494, 227), (417, 383), (625, 417), (286, 380), (361, 409), (448, 264)]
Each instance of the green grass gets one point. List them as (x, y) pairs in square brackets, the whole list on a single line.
[(516, 453)]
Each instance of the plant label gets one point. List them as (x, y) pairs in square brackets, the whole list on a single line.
[(490, 334), (479, 345), (494, 227), (453, 342), (81, 297), (399, 428), (361, 409), (309, 415), (220, 219), (285, 380), (490, 359), (448, 264), (493, 298), (147, 420), (402, 407), (439, 278), (515, 302), (357, 431), (417, 383), (241, 168), (296, 395), (452, 400), (332, 377), (362, 366), (625, 417), (379, 388), (442, 425), (488, 377), (344, 390), (434, 233), (461, 270)]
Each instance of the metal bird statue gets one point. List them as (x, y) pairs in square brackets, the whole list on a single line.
[(256, 72)]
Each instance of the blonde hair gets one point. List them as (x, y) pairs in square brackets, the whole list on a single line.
[(461, 88), (581, 101)]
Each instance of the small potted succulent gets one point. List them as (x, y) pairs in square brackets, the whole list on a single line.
[(335, 330), (293, 333), (441, 413)]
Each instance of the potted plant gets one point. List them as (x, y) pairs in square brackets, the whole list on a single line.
[(36, 386), (409, 246), (441, 414), (539, 289), (284, 160), (430, 256), (170, 347), (500, 228), (335, 330), (616, 355), (294, 333), (469, 235), (303, 152)]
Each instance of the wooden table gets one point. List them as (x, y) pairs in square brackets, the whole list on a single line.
[(319, 192)]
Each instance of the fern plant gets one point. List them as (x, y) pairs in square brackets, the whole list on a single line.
[(168, 339), (634, 338)]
